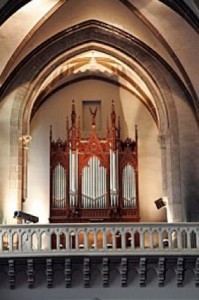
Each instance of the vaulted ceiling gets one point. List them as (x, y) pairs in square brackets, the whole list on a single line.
[(169, 29), (147, 48)]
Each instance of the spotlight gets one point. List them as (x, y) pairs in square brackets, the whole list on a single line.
[(26, 217), (160, 203)]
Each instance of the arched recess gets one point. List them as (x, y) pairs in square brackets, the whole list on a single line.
[(151, 68)]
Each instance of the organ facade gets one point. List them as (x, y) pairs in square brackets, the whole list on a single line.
[(94, 179)]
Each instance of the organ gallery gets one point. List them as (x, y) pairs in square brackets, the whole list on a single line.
[(94, 178)]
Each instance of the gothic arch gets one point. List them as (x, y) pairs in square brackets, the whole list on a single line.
[(26, 80)]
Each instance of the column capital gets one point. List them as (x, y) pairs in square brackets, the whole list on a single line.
[(25, 139)]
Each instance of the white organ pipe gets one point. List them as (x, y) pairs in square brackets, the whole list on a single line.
[(102, 181), (97, 184), (53, 188), (59, 187), (94, 184), (87, 185), (114, 177), (76, 177), (105, 188), (73, 178), (70, 178), (114, 187), (129, 186), (100, 187), (84, 190)]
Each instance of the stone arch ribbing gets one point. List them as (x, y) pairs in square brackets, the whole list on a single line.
[(94, 31)]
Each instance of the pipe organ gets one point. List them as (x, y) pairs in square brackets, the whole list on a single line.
[(94, 179)]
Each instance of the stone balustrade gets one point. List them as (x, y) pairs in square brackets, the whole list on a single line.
[(99, 239)]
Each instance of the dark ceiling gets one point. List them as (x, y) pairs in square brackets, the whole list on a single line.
[(9, 7)]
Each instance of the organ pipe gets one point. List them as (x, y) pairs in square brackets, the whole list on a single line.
[(94, 173), (129, 188), (93, 184), (73, 182), (59, 187), (114, 187)]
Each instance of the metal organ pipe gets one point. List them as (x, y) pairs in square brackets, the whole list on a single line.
[(94, 184), (70, 178), (104, 191), (76, 178), (97, 185), (53, 188), (129, 186), (59, 187), (93, 179), (84, 180), (83, 190), (72, 172), (87, 186), (83, 158), (73, 180), (114, 177), (111, 177)]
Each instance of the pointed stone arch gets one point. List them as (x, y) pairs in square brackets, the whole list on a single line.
[(25, 81)]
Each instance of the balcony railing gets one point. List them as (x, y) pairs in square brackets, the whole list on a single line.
[(99, 239)]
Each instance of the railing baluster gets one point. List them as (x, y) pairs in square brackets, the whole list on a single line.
[(170, 239), (160, 240), (113, 240), (123, 240), (151, 244), (104, 239), (142, 233), (76, 240), (132, 239), (86, 240), (182, 235), (29, 241), (58, 240), (67, 240), (10, 242), (19, 242), (95, 239), (49, 234), (188, 238), (39, 245), (179, 239)]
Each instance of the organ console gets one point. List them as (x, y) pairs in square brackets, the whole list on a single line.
[(93, 179)]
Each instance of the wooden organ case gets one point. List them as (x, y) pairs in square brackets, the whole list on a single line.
[(93, 179)]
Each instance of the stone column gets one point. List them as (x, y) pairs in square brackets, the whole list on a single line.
[(162, 141), (171, 175), (26, 139)]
